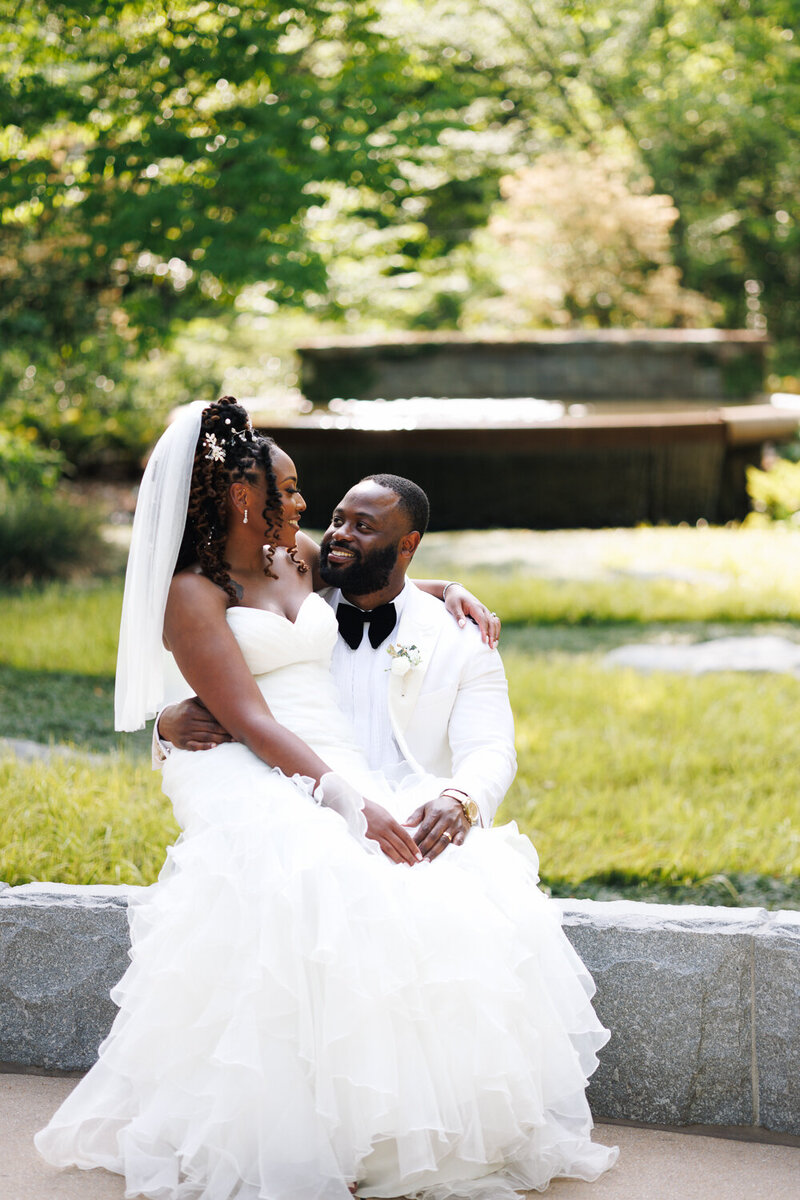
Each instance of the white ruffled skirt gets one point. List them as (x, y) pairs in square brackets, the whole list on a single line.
[(301, 1014)]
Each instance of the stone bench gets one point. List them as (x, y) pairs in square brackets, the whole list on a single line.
[(703, 1003)]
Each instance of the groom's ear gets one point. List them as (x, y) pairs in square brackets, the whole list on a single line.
[(407, 545)]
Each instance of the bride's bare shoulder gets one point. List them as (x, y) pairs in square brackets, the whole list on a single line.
[(308, 551), (190, 588), (307, 548), (194, 604)]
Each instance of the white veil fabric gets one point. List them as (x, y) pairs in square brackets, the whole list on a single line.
[(158, 526)]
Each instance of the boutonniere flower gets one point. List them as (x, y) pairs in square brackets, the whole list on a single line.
[(404, 658)]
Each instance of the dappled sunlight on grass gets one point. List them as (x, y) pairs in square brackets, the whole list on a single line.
[(645, 574), (62, 627), (655, 775)]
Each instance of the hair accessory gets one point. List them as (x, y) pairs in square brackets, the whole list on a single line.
[(216, 453), (216, 448)]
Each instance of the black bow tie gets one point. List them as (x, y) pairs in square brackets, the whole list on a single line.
[(381, 621)]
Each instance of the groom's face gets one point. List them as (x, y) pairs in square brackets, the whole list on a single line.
[(359, 552)]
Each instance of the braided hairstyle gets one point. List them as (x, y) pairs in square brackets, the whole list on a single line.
[(228, 451)]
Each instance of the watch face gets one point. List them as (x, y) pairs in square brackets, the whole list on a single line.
[(471, 809)]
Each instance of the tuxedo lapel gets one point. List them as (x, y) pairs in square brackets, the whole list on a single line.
[(418, 627)]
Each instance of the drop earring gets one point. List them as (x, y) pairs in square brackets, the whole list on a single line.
[(244, 518)]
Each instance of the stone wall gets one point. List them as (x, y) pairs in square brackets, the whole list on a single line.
[(702, 1003)]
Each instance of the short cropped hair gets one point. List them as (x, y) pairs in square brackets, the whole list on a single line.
[(413, 500)]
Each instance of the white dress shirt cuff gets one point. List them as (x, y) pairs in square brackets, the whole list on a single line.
[(160, 748)]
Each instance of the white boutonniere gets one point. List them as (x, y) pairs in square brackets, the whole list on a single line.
[(404, 658)]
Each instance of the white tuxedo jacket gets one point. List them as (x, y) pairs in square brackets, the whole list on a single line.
[(450, 715)]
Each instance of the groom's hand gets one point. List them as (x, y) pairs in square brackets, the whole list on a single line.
[(190, 726), (441, 823), (395, 841)]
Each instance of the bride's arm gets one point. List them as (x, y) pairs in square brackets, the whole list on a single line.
[(458, 600)]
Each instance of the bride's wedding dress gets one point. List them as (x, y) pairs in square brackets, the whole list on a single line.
[(300, 1012)]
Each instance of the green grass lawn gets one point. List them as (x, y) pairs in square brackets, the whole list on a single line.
[(651, 786)]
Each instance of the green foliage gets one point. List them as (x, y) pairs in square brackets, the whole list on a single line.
[(161, 156), (88, 407), (24, 462), (45, 536), (75, 819), (707, 96), (776, 492)]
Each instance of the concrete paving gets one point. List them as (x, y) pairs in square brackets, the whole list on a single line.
[(653, 1164)]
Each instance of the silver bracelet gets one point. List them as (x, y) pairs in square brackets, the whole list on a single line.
[(452, 583)]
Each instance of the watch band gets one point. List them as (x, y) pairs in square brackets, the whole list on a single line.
[(468, 805)]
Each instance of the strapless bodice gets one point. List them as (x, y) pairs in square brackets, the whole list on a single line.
[(269, 641), (290, 661)]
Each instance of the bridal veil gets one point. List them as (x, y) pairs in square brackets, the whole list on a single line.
[(157, 532)]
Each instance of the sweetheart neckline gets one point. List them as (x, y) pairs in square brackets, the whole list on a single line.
[(271, 612)]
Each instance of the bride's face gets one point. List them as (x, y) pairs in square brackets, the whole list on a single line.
[(292, 503)]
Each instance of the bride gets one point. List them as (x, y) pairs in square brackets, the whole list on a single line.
[(303, 1018)]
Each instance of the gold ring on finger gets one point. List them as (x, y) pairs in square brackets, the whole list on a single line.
[(447, 836)]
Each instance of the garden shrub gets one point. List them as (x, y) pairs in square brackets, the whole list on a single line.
[(776, 492), (43, 535)]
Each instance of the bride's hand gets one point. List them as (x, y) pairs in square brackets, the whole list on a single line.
[(395, 841), (462, 604)]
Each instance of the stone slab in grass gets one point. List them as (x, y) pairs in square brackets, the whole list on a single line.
[(765, 653)]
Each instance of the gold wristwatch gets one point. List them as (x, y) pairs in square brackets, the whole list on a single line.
[(468, 805)]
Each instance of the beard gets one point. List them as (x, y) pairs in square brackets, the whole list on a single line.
[(363, 576)]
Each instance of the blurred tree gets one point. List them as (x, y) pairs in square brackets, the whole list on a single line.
[(161, 154), (580, 240), (156, 157), (706, 93)]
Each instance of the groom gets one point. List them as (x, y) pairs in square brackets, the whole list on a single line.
[(423, 695)]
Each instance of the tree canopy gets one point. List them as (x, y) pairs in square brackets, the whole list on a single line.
[(162, 155), (157, 156)]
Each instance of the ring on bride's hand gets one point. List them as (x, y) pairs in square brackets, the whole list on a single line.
[(447, 835), (492, 614)]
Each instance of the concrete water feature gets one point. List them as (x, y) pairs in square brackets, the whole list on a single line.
[(696, 365), (574, 429)]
